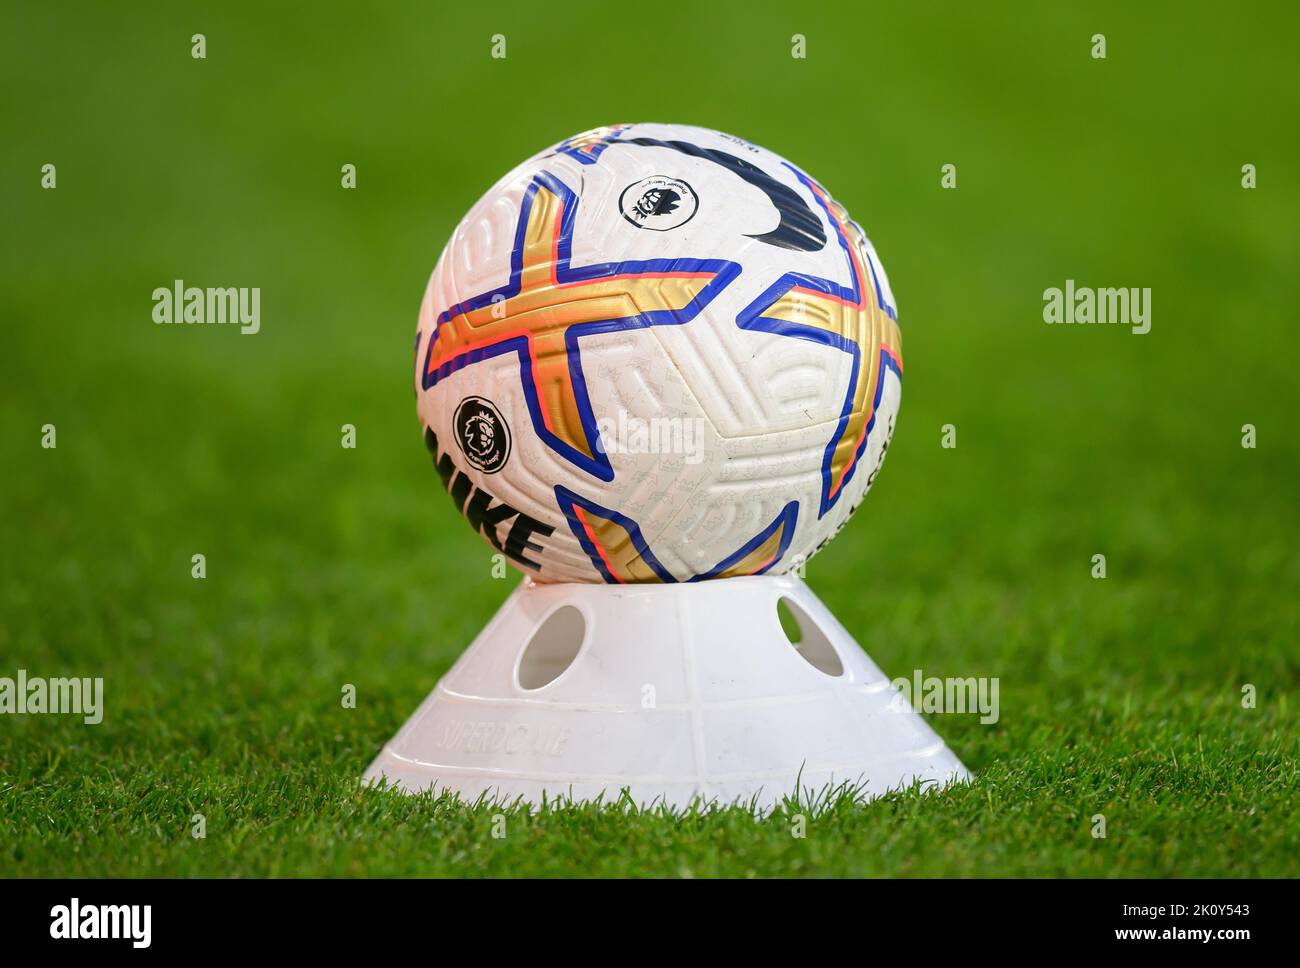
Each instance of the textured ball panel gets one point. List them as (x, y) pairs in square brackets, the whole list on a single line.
[(657, 353)]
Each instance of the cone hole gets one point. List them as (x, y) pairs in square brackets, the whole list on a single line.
[(552, 648), (812, 644)]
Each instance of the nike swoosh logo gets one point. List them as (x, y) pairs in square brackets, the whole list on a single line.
[(800, 228)]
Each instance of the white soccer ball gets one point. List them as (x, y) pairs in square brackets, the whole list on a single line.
[(657, 353)]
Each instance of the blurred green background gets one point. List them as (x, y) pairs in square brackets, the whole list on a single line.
[(329, 566)]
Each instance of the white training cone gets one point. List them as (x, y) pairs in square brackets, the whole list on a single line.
[(674, 692)]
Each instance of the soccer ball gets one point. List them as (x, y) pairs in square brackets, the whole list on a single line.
[(657, 353)]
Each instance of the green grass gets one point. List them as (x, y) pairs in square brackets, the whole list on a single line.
[(328, 566)]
